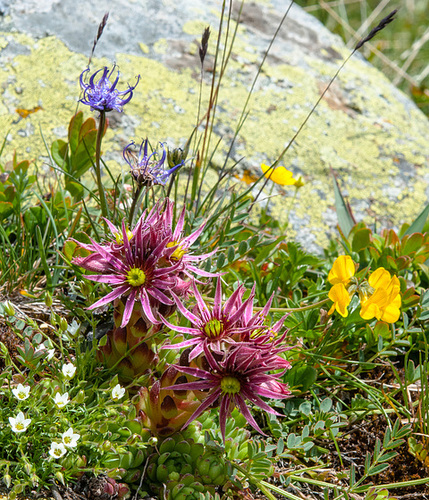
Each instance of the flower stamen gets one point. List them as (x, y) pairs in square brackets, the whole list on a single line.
[(213, 329), (230, 385), (136, 276)]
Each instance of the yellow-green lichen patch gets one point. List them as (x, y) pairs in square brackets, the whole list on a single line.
[(359, 130)]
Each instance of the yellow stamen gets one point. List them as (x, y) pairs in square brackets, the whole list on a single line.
[(178, 253), (213, 329), (136, 276)]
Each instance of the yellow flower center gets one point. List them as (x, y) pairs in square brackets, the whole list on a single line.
[(19, 426), (230, 385), (67, 439), (213, 329), (136, 276), (178, 253), (120, 239), (21, 395)]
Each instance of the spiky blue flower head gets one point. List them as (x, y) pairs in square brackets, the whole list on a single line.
[(146, 169), (101, 94)]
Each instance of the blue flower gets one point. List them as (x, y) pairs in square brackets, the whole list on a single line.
[(102, 95), (146, 169)]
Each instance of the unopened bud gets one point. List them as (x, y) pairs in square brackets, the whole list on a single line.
[(9, 309), (7, 479), (106, 446), (177, 156), (63, 324), (27, 468), (60, 478), (152, 441), (48, 299)]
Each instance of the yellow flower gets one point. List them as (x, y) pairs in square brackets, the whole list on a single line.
[(340, 298), (279, 175), (385, 301), (342, 270)]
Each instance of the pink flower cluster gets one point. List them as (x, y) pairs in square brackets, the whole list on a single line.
[(150, 264)]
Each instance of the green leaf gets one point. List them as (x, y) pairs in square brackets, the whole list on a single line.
[(291, 440), (326, 405), (305, 408), (74, 129), (75, 189), (377, 469), (59, 153), (231, 254), (361, 239), (418, 225), (6, 209), (412, 243), (345, 218)]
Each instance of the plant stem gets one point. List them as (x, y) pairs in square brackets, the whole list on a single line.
[(101, 192), (136, 198)]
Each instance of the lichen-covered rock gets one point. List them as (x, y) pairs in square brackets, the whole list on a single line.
[(371, 135)]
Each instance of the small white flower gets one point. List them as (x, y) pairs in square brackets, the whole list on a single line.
[(69, 438), (117, 392), (20, 423), (50, 354), (57, 450), (69, 370), (21, 392), (61, 399)]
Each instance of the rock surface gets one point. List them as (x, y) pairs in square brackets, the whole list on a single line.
[(371, 135)]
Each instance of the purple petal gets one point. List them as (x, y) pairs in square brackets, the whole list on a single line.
[(246, 413), (129, 306), (117, 292)]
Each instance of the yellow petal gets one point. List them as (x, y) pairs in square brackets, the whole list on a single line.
[(279, 175), (341, 299), (380, 278), (342, 270)]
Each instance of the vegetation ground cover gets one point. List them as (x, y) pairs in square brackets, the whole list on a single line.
[(158, 343)]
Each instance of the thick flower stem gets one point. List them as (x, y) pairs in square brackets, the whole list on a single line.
[(101, 192)]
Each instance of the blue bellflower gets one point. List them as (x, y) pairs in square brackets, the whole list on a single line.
[(145, 168), (102, 95)]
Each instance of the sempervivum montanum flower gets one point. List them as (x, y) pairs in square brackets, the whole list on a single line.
[(242, 374), (147, 169), (218, 325), (147, 264), (147, 267), (101, 95)]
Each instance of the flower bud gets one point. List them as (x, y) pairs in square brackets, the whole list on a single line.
[(152, 441), (27, 468), (9, 309), (106, 446), (177, 156), (80, 398), (60, 477), (63, 324), (48, 299), (7, 479)]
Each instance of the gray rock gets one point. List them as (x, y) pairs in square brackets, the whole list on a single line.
[(372, 135)]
